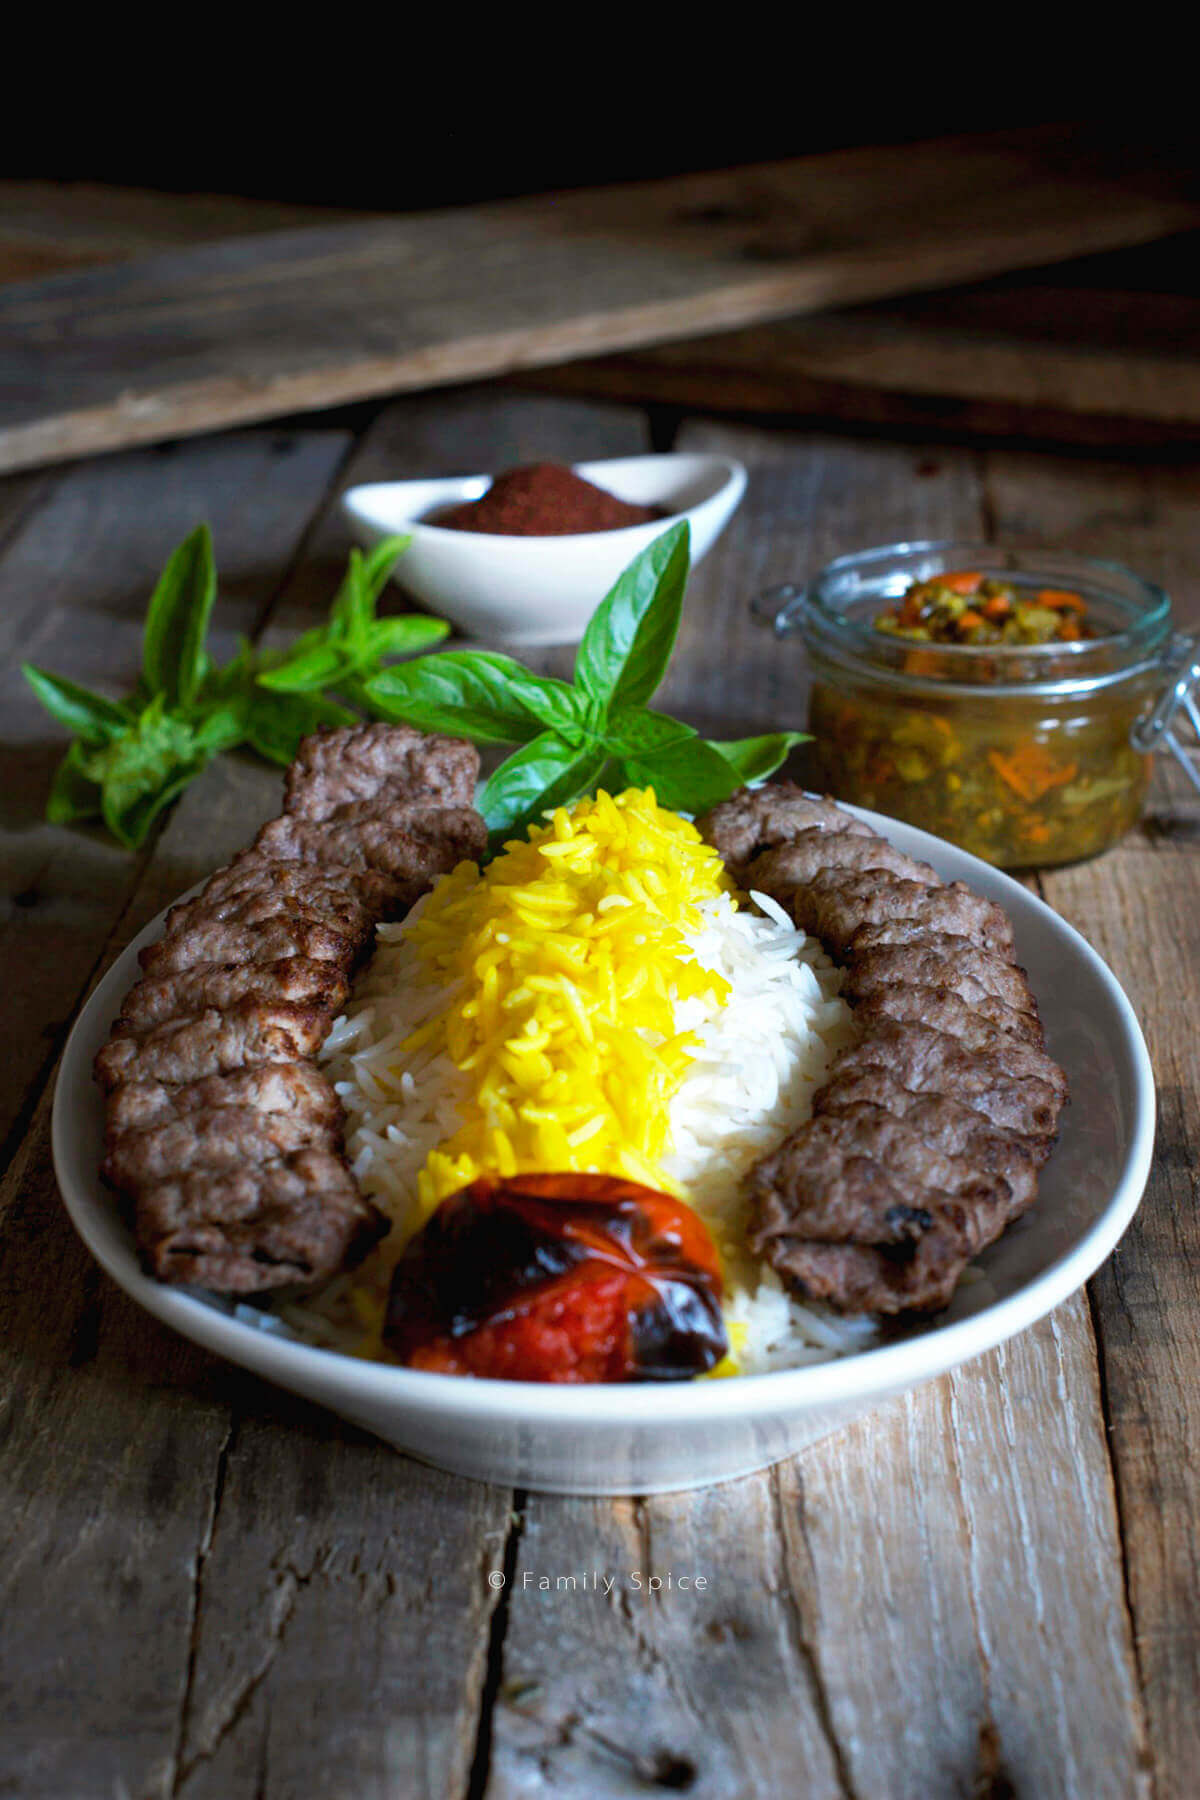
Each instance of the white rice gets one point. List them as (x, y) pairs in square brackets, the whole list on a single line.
[(763, 1054)]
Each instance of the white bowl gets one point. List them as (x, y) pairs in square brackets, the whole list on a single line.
[(649, 1438), (541, 590)]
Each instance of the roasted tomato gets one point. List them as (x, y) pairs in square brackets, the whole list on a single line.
[(559, 1278)]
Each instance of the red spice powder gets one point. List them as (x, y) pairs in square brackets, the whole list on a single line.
[(544, 500)]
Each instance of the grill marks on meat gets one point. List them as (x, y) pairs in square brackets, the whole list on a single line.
[(939, 961), (217, 941), (334, 769), (297, 1089), (926, 1140), (757, 819), (216, 1042), (240, 1231), (813, 854), (220, 1128), (382, 838), (981, 1024), (186, 992), (835, 907), (863, 1176)]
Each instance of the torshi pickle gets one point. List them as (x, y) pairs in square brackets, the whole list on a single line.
[(1035, 784), (963, 606), (1027, 787), (997, 696)]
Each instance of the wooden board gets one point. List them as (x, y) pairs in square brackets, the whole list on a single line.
[(49, 226), (211, 1589), (255, 327), (1035, 361), (1140, 907)]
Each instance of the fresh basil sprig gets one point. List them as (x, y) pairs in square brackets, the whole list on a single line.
[(344, 654), (599, 729), (130, 758)]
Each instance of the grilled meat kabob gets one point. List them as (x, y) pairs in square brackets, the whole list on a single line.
[(926, 1140), (220, 1129)]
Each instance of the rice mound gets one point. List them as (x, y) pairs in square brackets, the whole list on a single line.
[(597, 1000)]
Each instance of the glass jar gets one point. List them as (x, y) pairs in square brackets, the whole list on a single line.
[(1022, 753)]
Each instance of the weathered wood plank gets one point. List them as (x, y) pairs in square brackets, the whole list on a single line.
[(926, 1602), (609, 1688), (316, 317), (1072, 364), (811, 497), (966, 1584), (1145, 921), (62, 224), (111, 1434), (1140, 906), (342, 1619), (1105, 363)]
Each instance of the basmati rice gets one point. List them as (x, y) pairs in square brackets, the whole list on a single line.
[(676, 1036)]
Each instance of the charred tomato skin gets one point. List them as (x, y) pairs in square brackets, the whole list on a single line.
[(559, 1278)]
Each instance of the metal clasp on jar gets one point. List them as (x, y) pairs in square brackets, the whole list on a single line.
[(778, 608), (1176, 709)]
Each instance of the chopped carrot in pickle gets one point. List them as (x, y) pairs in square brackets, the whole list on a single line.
[(960, 581), (1031, 771), (1059, 600)]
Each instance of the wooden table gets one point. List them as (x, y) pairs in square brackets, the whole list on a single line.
[(208, 1588)]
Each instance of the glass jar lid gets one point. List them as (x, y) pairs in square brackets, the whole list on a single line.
[(836, 610)]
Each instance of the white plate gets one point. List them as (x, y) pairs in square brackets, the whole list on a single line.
[(541, 590), (649, 1438)]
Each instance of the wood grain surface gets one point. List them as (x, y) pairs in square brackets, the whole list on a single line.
[(1073, 364), (254, 326), (208, 1588)]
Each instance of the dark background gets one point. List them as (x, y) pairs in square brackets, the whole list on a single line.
[(404, 161)]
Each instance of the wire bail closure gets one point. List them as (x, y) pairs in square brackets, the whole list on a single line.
[(1158, 730)]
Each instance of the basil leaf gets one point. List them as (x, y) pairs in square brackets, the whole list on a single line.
[(475, 694), (94, 718), (533, 780), (144, 770), (173, 659), (275, 723), (131, 801), (73, 793), (222, 728), (353, 607), (307, 672), (627, 645), (405, 633), (688, 776), (379, 562), (638, 732), (757, 757)]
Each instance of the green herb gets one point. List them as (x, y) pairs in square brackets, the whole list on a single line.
[(130, 758), (598, 729), (344, 654)]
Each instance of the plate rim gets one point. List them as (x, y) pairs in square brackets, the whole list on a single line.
[(861, 1376)]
